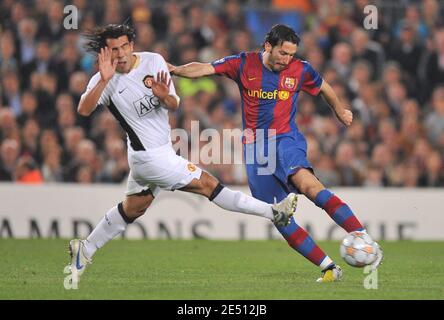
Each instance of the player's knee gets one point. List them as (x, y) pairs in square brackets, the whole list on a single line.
[(310, 190), (211, 186), (208, 184), (133, 210), (303, 188), (141, 210), (135, 213), (143, 207)]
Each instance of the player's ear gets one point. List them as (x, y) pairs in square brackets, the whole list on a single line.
[(268, 46), (131, 45)]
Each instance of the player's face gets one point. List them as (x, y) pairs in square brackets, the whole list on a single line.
[(122, 50), (280, 55)]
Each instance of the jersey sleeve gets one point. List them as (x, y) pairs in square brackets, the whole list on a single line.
[(104, 98), (228, 66), (312, 80)]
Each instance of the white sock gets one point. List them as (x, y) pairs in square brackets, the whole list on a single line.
[(325, 263), (111, 225), (240, 202)]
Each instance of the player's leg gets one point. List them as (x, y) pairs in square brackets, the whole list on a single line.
[(268, 188), (301, 241), (307, 183), (139, 196), (169, 171), (112, 224), (237, 201), (274, 186), (117, 219)]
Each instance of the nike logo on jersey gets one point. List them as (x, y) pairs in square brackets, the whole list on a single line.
[(120, 91), (251, 78)]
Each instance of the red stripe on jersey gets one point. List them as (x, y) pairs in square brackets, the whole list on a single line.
[(251, 79), (308, 85), (289, 80)]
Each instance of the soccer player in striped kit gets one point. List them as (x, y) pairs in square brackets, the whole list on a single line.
[(269, 82), (136, 89)]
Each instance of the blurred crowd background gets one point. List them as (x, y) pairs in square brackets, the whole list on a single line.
[(391, 77)]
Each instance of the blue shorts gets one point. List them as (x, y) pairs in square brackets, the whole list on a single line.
[(288, 156)]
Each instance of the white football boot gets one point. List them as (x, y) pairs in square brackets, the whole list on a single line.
[(284, 210), (78, 259)]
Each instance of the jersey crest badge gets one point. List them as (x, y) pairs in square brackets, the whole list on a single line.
[(290, 83), (191, 167), (148, 81)]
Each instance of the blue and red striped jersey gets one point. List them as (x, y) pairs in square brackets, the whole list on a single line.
[(269, 98)]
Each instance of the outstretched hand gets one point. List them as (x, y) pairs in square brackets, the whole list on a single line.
[(106, 67), (161, 86)]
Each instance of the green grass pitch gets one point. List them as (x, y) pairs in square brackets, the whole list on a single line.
[(201, 270)]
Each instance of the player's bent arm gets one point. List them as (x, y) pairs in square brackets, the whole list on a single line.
[(332, 99), (89, 101), (344, 115), (193, 70), (330, 96)]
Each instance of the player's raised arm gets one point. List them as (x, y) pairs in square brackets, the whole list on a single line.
[(160, 88), (192, 70), (107, 69), (344, 115)]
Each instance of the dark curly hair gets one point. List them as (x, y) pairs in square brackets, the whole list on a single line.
[(280, 33), (96, 39)]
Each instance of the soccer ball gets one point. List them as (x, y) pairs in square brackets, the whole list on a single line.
[(358, 249)]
